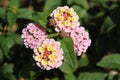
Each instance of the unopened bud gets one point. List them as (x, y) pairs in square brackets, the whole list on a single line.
[(63, 34), (113, 72), (84, 55), (21, 78), (52, 22), (46, 79)]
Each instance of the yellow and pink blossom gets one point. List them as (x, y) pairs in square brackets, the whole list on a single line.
[(65, 19), (48, 55)]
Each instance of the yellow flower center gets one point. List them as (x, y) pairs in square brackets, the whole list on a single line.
[(51, 62), (44, 62), (51, 56), (38, 58), (49, 48), (71, 13), (62, 9), (61, 18), (54, 51), (67, 23), (41, 49)]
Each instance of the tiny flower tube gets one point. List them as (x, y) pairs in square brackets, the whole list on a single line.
[(48, 55), (64, 19), (33, 35), (81, 40)]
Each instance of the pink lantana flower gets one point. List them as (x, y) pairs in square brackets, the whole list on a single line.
[(65, 19), (81, 40), (33, 35), (48, 55)]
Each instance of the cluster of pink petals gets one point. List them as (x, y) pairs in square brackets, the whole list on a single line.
[(48, 55), (33, 35), (81, 40), (66, 19), (47, 52)]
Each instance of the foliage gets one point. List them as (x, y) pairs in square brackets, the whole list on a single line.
[(70, 61), (101, 61)]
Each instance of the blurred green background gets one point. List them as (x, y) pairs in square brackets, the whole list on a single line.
[(101, 18)]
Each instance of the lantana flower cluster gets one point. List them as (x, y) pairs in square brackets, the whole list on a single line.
[(47, 52), (67, 21), (65, 18), (81, 40), (33, 35)]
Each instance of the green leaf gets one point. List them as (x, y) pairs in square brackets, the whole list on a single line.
[(32, 73), (70, 60), (111, 77), (7, 71), (1, 55), (69, 2), (105, 5), (53, 35), (100, 14), (83, 3), (14, 4), (83, 61), (6, 44), (101, 1), (6, 68), (16, 38), (107, 26), (113, 6), (41, 18), (92, 76), (70, 77), (11, 18), (10, 76), (80, 11), (111, 61), (2, 13), (24, 13), (55, 78), (51, 4)]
